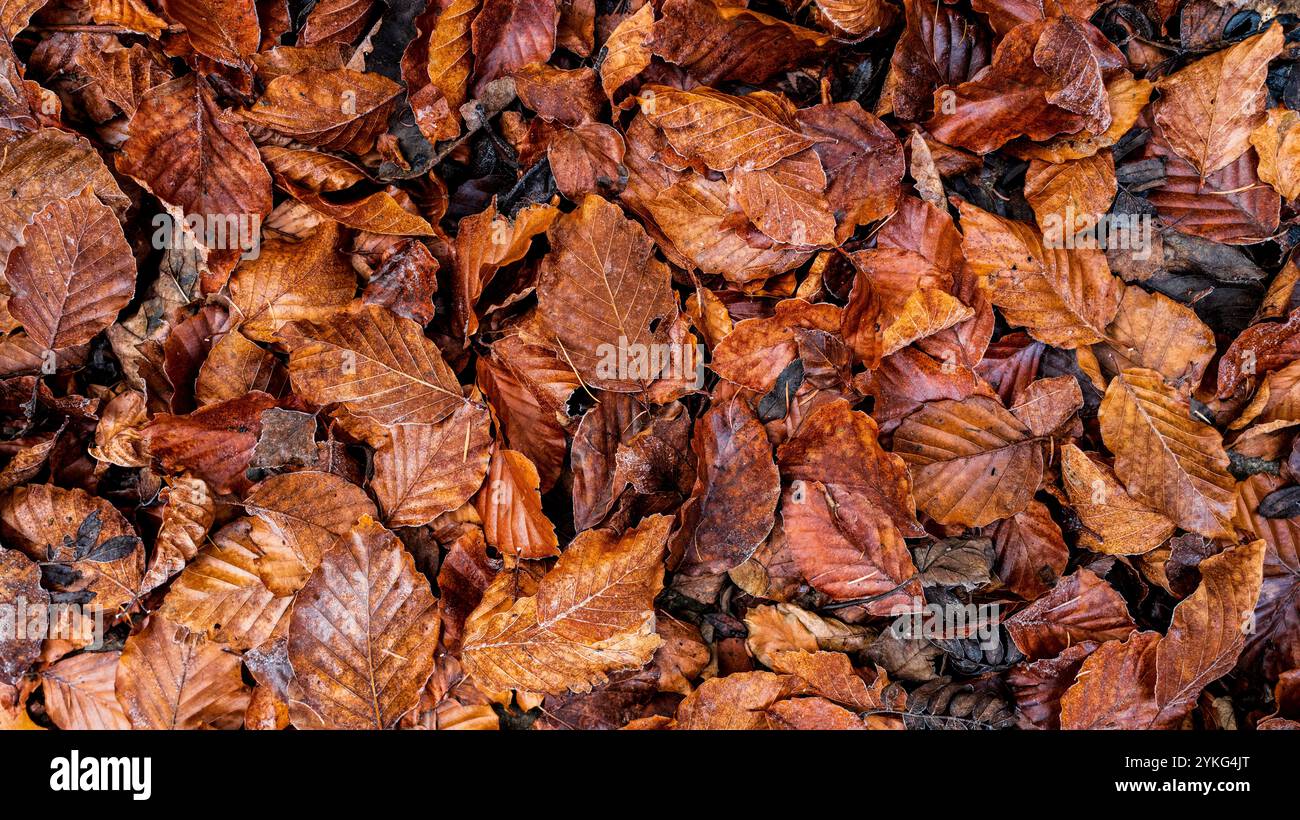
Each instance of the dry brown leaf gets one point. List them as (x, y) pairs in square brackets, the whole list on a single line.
[(80, 692), (375, 363), (292, 281), (1209, 109), (786, 200), (1152, 331), (1071, 195), (20, 590), (168, 679), (226, 32), (220, 594), (627, 50), (510, 34), (511, 508), (606, 299), (424, 470), (73, 273), (1152, 682), (1277, 142), (1165, 458), (737, 701), (717, 41), (214, 443), (234, 367), (1063, 297), (307, 512), (188, 512), (196, 158), (1031, 552), (363, 632), (972, 462), (737, 487), (96, 550), (46, 166), (1114, 522), (757, 350), (723, 131), (587, 159), (487, 242), (591, 615), (331, 109), (1081, 607)]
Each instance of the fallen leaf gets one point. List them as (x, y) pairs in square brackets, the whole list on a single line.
[(365, 593), (549, 641)]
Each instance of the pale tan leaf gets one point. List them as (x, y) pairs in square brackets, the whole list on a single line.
[(80, 692), (188, 511)]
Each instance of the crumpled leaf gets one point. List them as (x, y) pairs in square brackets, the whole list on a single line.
[(307, 512), (511, 508)]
